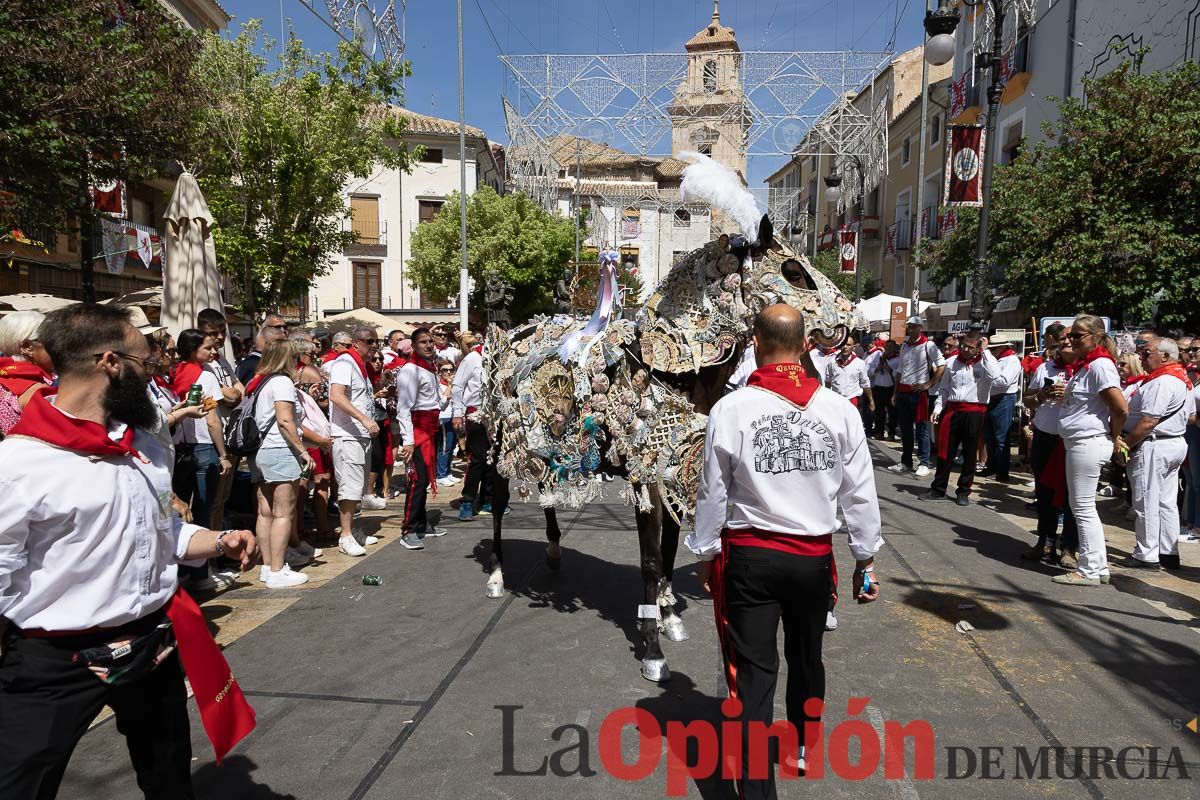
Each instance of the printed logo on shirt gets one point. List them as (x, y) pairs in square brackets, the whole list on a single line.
[(790, 443)]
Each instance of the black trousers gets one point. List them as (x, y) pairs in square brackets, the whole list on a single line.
[(1047, 513), (884, 418), (415, 518), (760, 588), (964, 433), (477, 485), (47, 703)]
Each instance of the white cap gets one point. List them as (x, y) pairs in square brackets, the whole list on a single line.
[(916, 320)]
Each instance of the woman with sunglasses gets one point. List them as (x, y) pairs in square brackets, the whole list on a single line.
[(446, 441), (1093, 415)]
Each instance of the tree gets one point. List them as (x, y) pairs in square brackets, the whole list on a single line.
[(829, 263), (1105, 217), (511, 234), (282, 145), (82, 78)]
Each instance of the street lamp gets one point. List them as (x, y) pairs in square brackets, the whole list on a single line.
[(940, 26), (833, 189)]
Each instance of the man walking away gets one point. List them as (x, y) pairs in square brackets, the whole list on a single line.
[(921, 366), (779, 456), (961, 404)]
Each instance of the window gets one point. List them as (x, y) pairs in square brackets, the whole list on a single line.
[(367, 284), (710, 77), (683, 218), (630, 258), (813, 163), (428, 209), (1013, 139), (433, 155), (901, 279), (935, 130), (905, 151), (364, 219)]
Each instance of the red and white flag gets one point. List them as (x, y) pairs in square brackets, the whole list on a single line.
[(949, 221), (924, 222), (848, 241), (964, 165), (958, 95), (889, 245), (1007, 65)]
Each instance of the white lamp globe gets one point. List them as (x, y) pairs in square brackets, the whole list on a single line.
[(832, 194), (939, 49)]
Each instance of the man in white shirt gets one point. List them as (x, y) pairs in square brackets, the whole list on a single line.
[(87, 569), (779, 456), (1159, 412), (445, 348), (846, 374), (959, 411), (352, 422), (211, 322), (1001, 407), (391, 349), (417, 410), (921, 366), (820, 357), (466, 395)]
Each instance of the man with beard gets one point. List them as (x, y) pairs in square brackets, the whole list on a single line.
[(89, 594)]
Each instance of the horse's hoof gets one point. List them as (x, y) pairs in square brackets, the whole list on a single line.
[(673, 629), (555, 564), (667, 595), (494, 590), (655, 669)]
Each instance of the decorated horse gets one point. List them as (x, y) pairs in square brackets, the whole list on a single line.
[(570, 401)]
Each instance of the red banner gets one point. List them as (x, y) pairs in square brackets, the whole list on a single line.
[(958, 95), (889, 245), (964, 165), (1007, 65), (849, 250), (948, 221), (924, 222)]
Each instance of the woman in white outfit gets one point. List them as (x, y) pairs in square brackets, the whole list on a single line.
[(1093, 415)]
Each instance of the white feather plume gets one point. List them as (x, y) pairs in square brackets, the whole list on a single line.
[(709, 181)]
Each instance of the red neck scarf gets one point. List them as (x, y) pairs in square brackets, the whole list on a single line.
[(423, 363), (786, 380), (258, 381), (330, 355), (1097, 353), (1174, 369), (25, 370), (1069, 369), (186, 373), (362, 366), (1005, 353), (954, 352), (844, 360), (41, 420), (477, 349), (922, 339), (396, 363), (874, 349), (1136, 380), (969, 361)]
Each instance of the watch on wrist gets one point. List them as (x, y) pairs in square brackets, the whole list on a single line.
[(220, 545)]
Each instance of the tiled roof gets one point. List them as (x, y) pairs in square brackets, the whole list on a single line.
[(422, 123), (714, 36)]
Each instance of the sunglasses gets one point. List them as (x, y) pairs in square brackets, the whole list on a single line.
[(445, 370), (369, 341), (1074, 337), (147, 363), (282, 327)]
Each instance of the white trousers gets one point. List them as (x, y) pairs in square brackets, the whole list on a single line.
[(1084, 460), (1154, 479)]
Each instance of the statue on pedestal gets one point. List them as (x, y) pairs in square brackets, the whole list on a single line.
[(497, 296)]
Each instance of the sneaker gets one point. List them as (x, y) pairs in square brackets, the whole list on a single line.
[(486, 508), (285, 578), (449, 480), (922, 471), (433, 531), (225, 578), (350, 547), (464, 511), (395, 493), (294, 558), (373, 502), (898, 469), (308, 550), (962, 500), (1105, 491), (411, 542), (830, 621), (932, 495), (1189, 537), (1075, 579)]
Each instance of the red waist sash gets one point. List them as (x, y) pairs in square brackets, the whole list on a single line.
[(923, 408), (783, 542), (425, 429), (952, 408)]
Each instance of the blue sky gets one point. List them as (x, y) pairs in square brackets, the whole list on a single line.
[(605, 26)]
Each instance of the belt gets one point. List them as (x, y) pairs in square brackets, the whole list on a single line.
[(140, 625), (1154, 437)]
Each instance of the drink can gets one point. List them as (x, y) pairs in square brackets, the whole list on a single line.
[(195, 395), (372, 580)]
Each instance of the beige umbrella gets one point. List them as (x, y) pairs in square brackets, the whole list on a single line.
[(191, 281)]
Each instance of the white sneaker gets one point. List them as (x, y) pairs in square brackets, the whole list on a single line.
[(830, 621), (897, 468), (1190, 537), (294, 558), (364, 539), (922, 471), (285, 578), (373, 503), (307, 549), (350, 547), (449, 480)]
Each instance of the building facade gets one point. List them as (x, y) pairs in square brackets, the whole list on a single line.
[(386, 209)]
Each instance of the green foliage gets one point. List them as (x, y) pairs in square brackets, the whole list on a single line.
[(829, 263), (73, 81), (953, 256), (511, 234), (282, 144), (586, 282), (1104, 217)]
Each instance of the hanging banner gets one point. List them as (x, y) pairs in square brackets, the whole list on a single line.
[(849, 250), (948, 221), (964, 165), (108, 197), (924, 222), (1007, 65), (958, 95), (145, 247), (889, 245), (115, 241)]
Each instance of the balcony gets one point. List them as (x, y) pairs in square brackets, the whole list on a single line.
[(372, 237), (870, 229), (131, 229), (904, 235), (930, 229), (827, 240)]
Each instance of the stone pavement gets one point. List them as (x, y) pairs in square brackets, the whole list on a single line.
[(391, 691)]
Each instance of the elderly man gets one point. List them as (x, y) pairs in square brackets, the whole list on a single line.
[(352, 422), (274, 327), (779, 456), (89, 587), (921, 367), (1159, 412)]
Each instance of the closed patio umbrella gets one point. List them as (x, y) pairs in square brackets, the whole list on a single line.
[(191, 281)]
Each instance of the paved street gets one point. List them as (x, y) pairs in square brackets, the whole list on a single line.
[(389, 691)]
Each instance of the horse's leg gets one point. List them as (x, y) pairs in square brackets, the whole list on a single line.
[(649, 524), (670, 624), (553, 536), (500, 494)]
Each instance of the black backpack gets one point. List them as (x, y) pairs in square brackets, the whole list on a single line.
[(243, 437)]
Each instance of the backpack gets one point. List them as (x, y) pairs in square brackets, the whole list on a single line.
[(243, 437)]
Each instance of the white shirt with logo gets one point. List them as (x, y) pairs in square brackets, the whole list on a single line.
[(344, 371)]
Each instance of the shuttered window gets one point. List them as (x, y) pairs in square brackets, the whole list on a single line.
[(428, 209), (367, 285), (365, 221)]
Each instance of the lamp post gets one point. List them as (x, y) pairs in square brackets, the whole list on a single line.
[(833, 192), (940, 25)]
